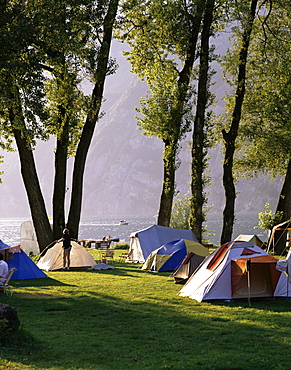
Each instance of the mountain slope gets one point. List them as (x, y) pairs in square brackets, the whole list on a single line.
[(124, 169)]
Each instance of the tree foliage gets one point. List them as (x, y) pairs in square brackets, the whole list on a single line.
[(266, 121), (163, 41), (46, 53)]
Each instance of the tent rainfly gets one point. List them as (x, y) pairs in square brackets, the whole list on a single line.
[(170, 255), (237, 270), (53, 258), (145, 241)]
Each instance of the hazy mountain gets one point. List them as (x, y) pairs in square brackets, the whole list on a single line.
[(124, 169)]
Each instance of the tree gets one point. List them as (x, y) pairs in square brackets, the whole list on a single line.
[(266, 119), (266, 124), (230, 136), (163, 43), (199, 141), (22, 99), (62, 47), (102, 68), (52, 42)]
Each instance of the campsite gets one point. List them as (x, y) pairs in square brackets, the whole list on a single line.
[(171, 111), (113, 319)]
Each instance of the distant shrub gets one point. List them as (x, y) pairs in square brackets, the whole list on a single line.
[(181, 212), (121, 246), (268, 219)]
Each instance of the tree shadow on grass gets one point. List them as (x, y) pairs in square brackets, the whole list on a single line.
[(112, 333), (43, 282), (20, 341), (279, 304), (118, 269), (121, 268)]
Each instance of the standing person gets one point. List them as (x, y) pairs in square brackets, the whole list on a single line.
[(3, 269), (67, 248)]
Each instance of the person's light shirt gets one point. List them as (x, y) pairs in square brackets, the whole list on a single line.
[(3, 271)]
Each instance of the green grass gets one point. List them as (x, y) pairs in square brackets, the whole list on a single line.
[(127, 318)]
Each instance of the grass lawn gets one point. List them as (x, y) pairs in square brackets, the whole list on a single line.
[(127, 318)]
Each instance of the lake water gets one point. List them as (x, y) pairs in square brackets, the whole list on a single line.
[(97, 228)]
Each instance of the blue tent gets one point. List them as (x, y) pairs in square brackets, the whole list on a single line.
[(25, 267), (3, 245), (143, 242), (170, 256)]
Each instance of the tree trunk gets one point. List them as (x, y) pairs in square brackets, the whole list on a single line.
[(59, 191), (61, 157), (167, 195), (29, 174), (170, 150), (284, 205), (31, 183), (89, 127), (198, 142), (230, 136), (36, 202), (229, 189)]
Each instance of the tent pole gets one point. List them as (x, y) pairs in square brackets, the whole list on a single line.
[(249, 281), (287, 282)]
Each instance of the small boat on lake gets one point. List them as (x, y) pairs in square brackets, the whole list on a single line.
[(123, 222)]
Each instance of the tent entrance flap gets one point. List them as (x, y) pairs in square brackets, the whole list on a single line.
[(263, 279)]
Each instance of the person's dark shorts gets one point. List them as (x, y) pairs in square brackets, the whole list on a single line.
[(68, 249)]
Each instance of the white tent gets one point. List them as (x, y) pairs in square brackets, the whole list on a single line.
[(254, 239), (143, 242), (237, 270), (28, 239), (53, 258)]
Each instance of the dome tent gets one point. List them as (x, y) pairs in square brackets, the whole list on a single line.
[(17, 258), (170, 256), (237, 270), (189, 264), (53, 257), (145, 241)]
